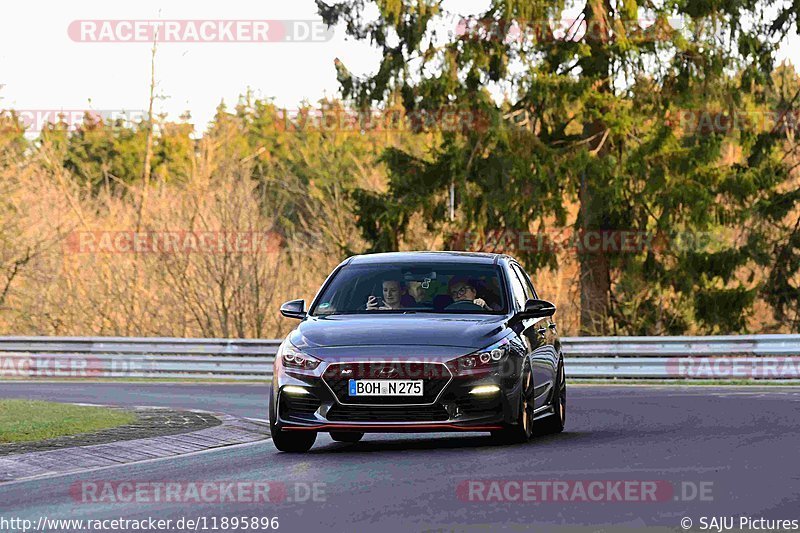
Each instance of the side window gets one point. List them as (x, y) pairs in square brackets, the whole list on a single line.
[(517, 288), (526, 282)]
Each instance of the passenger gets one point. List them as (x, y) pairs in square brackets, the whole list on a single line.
[(419, 292), (462, 289), (395, 296)]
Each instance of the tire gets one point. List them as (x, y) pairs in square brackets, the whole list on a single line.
[(521, 431), (299, 441), (346, 436), (293, 441), (555, 422)]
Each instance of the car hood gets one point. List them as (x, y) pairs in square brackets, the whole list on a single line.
[(460, 331)]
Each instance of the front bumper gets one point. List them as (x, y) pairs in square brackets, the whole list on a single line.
[(447, 404)]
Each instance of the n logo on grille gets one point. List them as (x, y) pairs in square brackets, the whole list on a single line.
[(388, 372)]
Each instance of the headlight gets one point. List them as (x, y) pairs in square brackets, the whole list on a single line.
[(488, 358), (291, 357)]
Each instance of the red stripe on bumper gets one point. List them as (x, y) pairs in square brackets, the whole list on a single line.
[(398, 426)]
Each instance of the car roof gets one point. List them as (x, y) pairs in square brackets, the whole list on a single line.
[(426, 257)]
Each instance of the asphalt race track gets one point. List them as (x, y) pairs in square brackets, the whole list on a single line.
[(248, 400), (711, 451)]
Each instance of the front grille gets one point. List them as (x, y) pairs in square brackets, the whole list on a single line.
[(305, 404), (353, 413), (435, 377)]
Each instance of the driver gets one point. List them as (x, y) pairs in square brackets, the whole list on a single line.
[(395, 296), (461, 289)]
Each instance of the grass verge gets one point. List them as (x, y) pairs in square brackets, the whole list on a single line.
[(28, 420)]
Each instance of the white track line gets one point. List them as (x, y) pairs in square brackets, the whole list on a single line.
[(146, 461)]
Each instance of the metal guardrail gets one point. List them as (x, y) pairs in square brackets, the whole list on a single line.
[(130, 357), (762, 357), (744, 357)]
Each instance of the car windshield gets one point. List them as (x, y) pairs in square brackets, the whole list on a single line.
[(413, 288)]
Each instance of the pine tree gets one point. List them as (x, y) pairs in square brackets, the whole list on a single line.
[(623, 113)]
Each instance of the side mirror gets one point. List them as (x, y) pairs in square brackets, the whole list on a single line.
[(294, 309), (538, 309)]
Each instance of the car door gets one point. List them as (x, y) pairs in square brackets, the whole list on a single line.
[(534, 333), (548, 355)]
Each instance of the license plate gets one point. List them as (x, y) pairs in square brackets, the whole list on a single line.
[(385, 387)]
